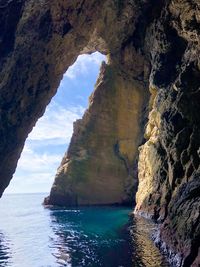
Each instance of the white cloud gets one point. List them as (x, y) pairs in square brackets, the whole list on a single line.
[(35, 171), (83, 64), (31, 161), (31, 183), (56, 126)]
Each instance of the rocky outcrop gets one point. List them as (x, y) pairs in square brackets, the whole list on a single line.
[(99, 165), (169, 180), (150, 45), (38, 42)]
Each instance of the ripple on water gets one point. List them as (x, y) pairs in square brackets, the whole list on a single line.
[(86, 237), (5, 253), (101, 237)]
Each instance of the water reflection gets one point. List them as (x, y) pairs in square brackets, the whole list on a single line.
[(92, 237), (145, 253), (5, 253), (96, 237)]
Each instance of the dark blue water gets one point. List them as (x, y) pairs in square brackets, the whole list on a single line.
[(31, 235)]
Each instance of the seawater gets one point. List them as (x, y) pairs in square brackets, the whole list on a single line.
[(34, 236)]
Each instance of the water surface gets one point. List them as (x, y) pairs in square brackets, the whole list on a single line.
[(31, 235)]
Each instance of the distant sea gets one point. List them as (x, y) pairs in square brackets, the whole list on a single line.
[(34, 236)]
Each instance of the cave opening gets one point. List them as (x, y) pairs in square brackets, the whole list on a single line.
[(150, 47), (50, 138)]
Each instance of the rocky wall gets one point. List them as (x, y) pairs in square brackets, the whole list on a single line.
[(169, 160)]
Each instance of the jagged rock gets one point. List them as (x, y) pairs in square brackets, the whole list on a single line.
[(153, 44), (169, 160), (98, 167)]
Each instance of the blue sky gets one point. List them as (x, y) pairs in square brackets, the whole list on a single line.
[(50, 138)]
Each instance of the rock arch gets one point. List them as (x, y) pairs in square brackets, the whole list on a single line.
[(153, 45), (47, 38)]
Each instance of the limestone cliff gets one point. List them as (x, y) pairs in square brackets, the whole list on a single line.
[(99, 165), (151, 45)]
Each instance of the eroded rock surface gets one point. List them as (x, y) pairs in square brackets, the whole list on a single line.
[(38, 42), (99, 165), (169, 160), (37, 45), (151, 45)]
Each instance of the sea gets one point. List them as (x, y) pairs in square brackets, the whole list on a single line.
[(34, 236)]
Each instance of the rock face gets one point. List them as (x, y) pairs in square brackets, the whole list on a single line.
[(34, 36), (38, 42), (99, 165), (152, 46), (169, 181)]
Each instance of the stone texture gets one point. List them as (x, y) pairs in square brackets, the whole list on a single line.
[(99, 165), (33, 42), (150, 44), (169, 160), (38, 42)]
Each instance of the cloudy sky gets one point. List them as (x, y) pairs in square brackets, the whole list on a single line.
[(50, 137)]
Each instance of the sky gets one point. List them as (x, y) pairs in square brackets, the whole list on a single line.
[(49, 139)]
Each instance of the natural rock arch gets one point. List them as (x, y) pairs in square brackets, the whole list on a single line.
[(45, 38), (154, 44)]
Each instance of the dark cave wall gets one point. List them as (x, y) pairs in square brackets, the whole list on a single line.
[(33, 40), (169, 160)]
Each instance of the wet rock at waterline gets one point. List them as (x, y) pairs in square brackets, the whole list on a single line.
[(168, 168)]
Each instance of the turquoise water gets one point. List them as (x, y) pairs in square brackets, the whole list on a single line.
[(31, 235)]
